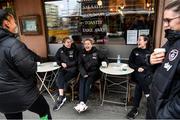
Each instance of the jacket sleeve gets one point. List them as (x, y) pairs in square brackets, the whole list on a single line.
[(102, 57), (58, 57), (71, 63), (90, 64), (81, 66), (131, 61), (36, 57), (23, 59), (171, 109)]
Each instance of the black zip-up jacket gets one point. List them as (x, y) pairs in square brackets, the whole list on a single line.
[(68, 56), (137, 59), (164, 102), (90, 61), (18, 88)]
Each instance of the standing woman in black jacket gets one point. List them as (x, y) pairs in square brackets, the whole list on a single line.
[(18, 90), (66, 57), (89, 62), (137, 61), (164, 102)]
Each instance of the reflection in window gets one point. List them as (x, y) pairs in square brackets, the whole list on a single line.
[(106, 21)]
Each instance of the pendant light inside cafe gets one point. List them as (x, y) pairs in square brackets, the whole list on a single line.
[(99, 2)]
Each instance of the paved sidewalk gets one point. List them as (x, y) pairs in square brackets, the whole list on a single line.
[(95, 111)]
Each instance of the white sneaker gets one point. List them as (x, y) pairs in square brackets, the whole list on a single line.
[(81, 107)]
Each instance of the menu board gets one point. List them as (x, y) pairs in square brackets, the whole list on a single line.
[(131, 37)]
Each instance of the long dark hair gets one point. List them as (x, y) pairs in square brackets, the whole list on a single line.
[(146, 38)]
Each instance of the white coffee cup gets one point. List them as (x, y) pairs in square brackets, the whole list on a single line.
[(124, 67), (159, 50), (104, 64), (54, 64), (38, 63)]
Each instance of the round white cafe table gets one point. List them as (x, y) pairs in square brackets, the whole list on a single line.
[(117, 69), (120, 71), (45, 68)]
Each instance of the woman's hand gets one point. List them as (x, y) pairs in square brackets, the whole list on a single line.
[(140, 69), (64, 65), (156, 58)]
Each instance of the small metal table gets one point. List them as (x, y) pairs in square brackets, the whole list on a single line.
[(120, 71), (45, 68)]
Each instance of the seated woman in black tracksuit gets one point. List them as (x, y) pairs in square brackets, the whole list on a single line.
[(66, 57), (89, 62), (141, 74)]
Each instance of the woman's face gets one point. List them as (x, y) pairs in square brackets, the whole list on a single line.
[(87, 45), (68, 43), (141, 42), (171, 20)]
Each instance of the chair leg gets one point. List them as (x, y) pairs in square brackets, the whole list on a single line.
[(129, 93), (100, 91), (72, 88)]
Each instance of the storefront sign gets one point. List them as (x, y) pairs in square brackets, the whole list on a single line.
[(91, 7), (94, 22), (92, 26), (93, 30)]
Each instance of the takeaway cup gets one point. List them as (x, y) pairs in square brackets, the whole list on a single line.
[(38, 63), (54, 64), (104, 64), (159, 50)]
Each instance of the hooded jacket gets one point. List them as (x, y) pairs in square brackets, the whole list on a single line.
[(18, 88)]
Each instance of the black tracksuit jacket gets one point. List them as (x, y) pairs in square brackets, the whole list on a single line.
[(90, 61), (18, 88), (138, 58), (68, 56)]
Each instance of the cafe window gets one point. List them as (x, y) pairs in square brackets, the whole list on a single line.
[(106, 21)]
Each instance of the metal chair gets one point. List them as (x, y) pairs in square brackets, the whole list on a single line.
[(98, 84), (72, 83), (130, 87)]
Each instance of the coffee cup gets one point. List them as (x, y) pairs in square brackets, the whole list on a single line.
[(54, 64), (159, 50), (38, 63), (104, 64), (124, 67)]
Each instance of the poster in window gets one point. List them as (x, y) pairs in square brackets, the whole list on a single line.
[(30, 25), (143, 32), (131, 37)]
